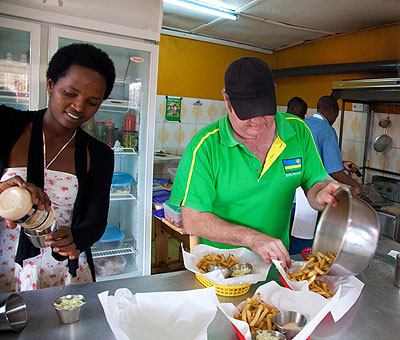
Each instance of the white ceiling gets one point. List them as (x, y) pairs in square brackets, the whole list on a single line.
[(272, 25)]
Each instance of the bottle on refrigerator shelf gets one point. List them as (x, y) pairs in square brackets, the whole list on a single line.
[(100, 130), (130, 136), (109, 133)]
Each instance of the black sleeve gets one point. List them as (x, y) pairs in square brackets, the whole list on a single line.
[(93, 209)]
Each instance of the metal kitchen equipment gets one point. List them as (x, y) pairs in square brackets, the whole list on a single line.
[(13, 315), (388, 205), (384, 141), (350, 230), (38, 238), (366, 91), (70, 315)]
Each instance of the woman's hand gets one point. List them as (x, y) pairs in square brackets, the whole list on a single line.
[(62, 242), (38, 196)]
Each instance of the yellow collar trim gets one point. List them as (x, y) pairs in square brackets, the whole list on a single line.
[(276, 149)]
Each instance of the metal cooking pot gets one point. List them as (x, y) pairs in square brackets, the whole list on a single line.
[(350, 230)]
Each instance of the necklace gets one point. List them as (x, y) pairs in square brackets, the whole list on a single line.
[(58, 153)]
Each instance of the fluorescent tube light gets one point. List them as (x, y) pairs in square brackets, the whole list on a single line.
[(202, 7)]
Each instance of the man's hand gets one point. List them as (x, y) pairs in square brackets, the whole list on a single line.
[(270, 248), (321, 194), (213, 228), (38, 196), (62, 242)]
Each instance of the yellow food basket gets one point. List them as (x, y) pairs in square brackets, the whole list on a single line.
[(224, 290)]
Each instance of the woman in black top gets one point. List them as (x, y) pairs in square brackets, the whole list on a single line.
[(53, 153)]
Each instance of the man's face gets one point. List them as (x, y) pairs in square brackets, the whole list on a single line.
[(250, 128), (333, 116), (300, 111)]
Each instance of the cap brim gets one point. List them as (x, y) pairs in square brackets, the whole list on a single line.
[(254, 107)]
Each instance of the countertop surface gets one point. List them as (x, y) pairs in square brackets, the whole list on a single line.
[(375, 315)]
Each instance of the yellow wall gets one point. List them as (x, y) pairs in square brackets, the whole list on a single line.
[(190, 68), (379, 44)]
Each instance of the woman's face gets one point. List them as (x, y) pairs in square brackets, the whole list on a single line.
[(76, 97)]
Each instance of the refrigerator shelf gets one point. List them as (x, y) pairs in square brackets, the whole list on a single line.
[(125, 151), (125, 249), (122, 197)]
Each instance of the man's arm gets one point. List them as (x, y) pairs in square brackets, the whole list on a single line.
[(321, 194), (342, 177), (213, 228)]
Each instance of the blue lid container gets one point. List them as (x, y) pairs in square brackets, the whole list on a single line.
[(112, 234), (160, 196), (120, 179)]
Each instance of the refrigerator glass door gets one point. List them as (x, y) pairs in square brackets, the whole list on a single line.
[(19, 64), (124, 121)]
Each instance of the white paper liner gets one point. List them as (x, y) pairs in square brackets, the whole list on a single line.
[(181, 315), (313, 306), (259, 272), (351, 287)]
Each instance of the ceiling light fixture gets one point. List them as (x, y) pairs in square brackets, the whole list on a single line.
[(204, 8)]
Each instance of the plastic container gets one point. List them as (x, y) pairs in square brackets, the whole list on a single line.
[(111, 265), (16, 205), (173, 214), (159, 197), (111, 239), (158, 183), (172, 173), (121, 184)]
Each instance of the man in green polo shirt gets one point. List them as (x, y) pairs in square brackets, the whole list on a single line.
[(237, 177)]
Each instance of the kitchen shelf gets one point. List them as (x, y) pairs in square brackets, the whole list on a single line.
[(127, 197), (126, 249)]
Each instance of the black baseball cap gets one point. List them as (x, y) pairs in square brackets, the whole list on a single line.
[(251, 88)]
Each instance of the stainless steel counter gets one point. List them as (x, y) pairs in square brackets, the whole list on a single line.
[(376, 314)]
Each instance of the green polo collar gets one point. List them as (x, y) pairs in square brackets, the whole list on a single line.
[(226, 132)]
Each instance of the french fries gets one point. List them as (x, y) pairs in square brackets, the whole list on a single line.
[(258, 314), (316, 267), (217, 260)]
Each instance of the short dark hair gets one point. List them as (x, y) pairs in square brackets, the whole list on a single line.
[(296, 101), (84, 55), (327, 103)]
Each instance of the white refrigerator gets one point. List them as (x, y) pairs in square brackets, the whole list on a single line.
[(134, 92)]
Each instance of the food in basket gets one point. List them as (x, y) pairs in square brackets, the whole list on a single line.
[(258, 314), (217, 260), (316, 267), (321, 288)]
